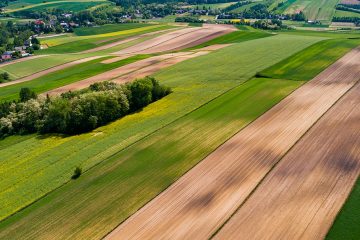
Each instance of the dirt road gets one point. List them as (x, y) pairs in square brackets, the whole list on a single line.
[(179, 39), (47, 71), (203, 199), (300, 198)]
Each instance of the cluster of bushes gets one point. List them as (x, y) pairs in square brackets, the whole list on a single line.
[(80, 111), (188, 19), (355, 20), (4, 77)]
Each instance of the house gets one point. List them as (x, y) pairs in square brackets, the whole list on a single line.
[(73, 25), (19, 49), (28, 43), (7, 55)]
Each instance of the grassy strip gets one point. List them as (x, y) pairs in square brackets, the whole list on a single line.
[(346, 225), (66, 76), (108, 28), (234, 37), (132, 177), (42, 164), (308, 63)]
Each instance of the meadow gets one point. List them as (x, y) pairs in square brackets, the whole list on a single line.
[(108, 28), (346, 225), (311, 61), (44, 163), (234, 37), (71, 5), (65, 76), (339, 13)]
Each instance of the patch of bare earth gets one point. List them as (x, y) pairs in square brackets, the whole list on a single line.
[(300, 198), (202, 200), (47, 71)]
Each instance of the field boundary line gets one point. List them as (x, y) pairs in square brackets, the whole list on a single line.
[(281, 158)]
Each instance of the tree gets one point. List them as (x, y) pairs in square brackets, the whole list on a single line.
[(27, 94)]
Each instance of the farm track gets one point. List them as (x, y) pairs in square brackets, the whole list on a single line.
[(300, 198), (50, 70), (178, 40), (202, 200), (133, 71)]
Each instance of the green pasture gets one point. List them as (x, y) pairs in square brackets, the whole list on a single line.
[(108, 28), (43, 163), (346, 225), (213, 6), (309, 62), (339, 13), (66, 76), (234, 37)]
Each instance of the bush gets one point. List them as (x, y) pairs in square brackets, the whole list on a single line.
[(77, 173), (27, 94)]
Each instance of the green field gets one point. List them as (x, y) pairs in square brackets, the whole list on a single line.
[(126, 181), (213, 6), (109, 28), (314, 10), (308, 63), (346, 225), (234, 37), (339, 13), (65, 76), (67, 5), (42, 164)]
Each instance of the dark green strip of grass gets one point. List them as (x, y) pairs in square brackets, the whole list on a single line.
[(195, 24), (347, 223), (234, 37), (309, 62), (66, 76), (110, 192)]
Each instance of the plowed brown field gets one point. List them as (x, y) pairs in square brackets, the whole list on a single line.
[(203, 199), (301, 197), (180, 39)]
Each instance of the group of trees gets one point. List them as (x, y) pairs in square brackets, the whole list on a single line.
[(355, 20), (4, 77), (80, 111)]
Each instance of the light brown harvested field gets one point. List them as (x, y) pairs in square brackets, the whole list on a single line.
[(177, 40), (300, 198), (201, 201), (50, 70), (121, 72)]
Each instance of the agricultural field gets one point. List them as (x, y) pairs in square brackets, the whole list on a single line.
[(254, 123), (311, 61), (339, 13), (314, 10), (203, 87), (69, 5), (213, 6), (65, 76)]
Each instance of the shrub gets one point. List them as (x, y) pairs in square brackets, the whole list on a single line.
[(77, 173)]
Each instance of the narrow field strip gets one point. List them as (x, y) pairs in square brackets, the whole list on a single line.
[(203, 199), (50, 70), (300, 198)]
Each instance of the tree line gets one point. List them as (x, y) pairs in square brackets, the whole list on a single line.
[(79, 111)]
